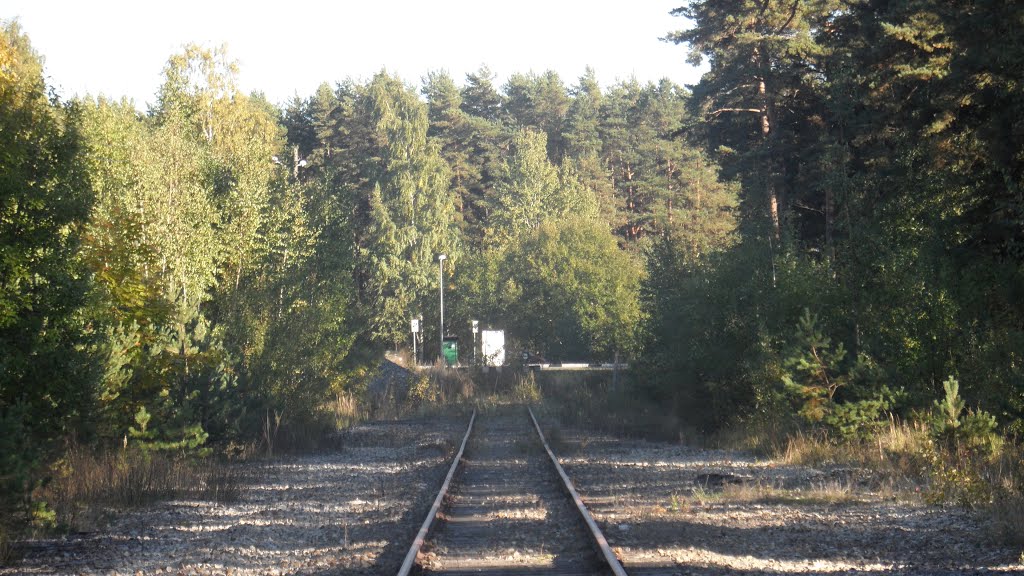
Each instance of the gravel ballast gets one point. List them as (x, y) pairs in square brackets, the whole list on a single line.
[(353, 510), (671, 509), (664, 508)]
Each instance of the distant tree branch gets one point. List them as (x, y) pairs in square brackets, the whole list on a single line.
[(722, 110), (792, 14)]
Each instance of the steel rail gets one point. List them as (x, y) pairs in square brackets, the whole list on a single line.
[(595, 531), (421, 536)]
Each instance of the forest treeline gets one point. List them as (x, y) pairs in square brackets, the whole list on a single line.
[(880, 150), (217, 267), (827, 229)]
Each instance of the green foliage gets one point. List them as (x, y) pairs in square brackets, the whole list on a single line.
[(181, 274), (195, 231), (960, 485), (395, 185), (18, 455), (46, 372), (467, 145), (949, 408), (814, 372), (968, 463), (877, 190), (42, 516), (958, 458), (422, 391), (978, 432), (571, 292), (660, 182), (479, 97), (859, 419), (531, 190), (539, 102), (173, 276), (865, 404), (142, 418), (972, 433)]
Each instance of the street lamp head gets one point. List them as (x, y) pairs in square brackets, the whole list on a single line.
[(441, 257)]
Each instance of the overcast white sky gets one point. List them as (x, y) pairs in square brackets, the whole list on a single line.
[(118, 47)]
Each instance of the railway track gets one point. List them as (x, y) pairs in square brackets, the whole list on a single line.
[(507, 507)]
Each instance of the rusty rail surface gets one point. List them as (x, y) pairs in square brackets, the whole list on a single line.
[(421, 536), (595, 531), (599, 540)]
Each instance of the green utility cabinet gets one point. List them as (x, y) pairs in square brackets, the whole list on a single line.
[(450, 350)]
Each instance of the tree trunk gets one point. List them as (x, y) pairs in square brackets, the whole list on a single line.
[(766, 132)]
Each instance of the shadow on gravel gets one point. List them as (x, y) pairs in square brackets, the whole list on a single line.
[(649, 502), (800, 544), (719, 571), (406, 528)]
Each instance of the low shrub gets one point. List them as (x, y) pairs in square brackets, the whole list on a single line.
[(6, 546), (345, 410), (1006, 516), (84, 483), (525, 389)]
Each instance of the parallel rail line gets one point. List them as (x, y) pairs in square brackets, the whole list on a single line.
[(598, 542), (421, 536)]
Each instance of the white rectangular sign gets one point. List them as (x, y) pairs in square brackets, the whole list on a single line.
[(492, 346), (415, 324)]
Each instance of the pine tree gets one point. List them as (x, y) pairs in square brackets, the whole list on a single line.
[(762, 95), (479, 97), (644, 129), (451, 128), (582, 135), (539, 102), (814, 369)]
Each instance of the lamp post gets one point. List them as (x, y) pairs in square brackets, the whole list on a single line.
[(440, 264)]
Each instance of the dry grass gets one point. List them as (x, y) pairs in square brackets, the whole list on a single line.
[(439, 386), (1005, 513), (899, 451), (593, 400), (760, 436), (454, 385), (426, 391), (525, 389), (85, 483), (345, 410), (6, 546), (423, 392), (831, 493), (1006, 517), (908, 463)]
